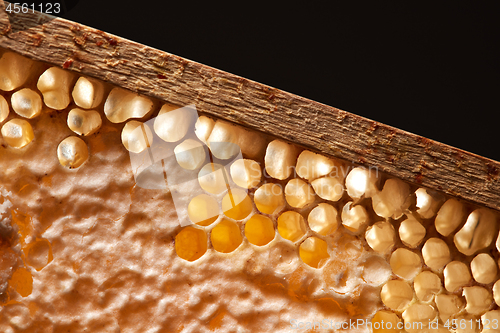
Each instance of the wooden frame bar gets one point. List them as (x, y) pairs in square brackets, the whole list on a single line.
[(311, 124)]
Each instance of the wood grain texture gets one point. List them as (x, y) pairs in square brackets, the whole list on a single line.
[(311, 124)]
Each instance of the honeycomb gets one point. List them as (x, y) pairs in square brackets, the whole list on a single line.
[(281, 238)]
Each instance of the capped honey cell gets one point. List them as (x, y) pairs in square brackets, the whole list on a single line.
[(491, 321), (361, 182), (122, 105), (393, 200), (396, 294), (448, 306), (223, 140), (422, 314), (72, 152), (4, 109), (450, 217), (14, 70), (55, 85), (85, 122), (246, 173), (354, 217), (203, 127), (426, 285), (436, 253), (173, 123), (213, 178), (17, 133), (311, 165), (27, 103), (328, 188), (411, 232), (496, 292), (484, 268), (405, 263), (323, 219), (280, 159), (136, 136), (381, 236), (203, 210), (477, 233), (190, 154), (456, 275), (88, 92), (428, 202), (291, 226), (269, 198), (478, 299), (298, 193), (386, 322)]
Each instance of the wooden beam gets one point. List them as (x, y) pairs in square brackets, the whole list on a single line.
[(311, 124)]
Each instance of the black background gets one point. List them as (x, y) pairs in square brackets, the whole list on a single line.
[(428, 67)]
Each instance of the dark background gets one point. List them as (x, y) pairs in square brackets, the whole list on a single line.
[(428, 67)]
